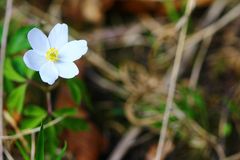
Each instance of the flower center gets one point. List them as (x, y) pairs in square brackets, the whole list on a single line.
[(52, 55)]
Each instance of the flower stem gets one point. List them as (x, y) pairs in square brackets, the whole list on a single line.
[(49, 102)]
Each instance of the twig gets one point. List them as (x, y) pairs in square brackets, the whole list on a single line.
[(104, 66), (7, 19), (233, 157), (215, 27), (213, 13), (7, 154), (208, 137), (176, 66), (206, 32), (32, 146), (8, 118), (201, 132), (34, 130), (126, 142), (107, 84), (199, 61)]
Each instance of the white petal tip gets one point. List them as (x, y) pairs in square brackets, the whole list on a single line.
[(84, 47), (48, 81), (83, 42), (48, 73)]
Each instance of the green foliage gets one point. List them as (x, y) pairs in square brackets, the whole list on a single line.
[(172, 13), (151, 109), (8, 85), (22, 151), (75, 124), (21, 67), (70, 122), (16, 99), (14, 67), (227, 129), (158, 125), (51, 133), (78, 91), (10, 73), (65, 112), (192, 104), (75, 90), (53, 141), (234, 109), (60, 156), (117, 112), (34, 115), (18, 42), (40, 145), (34, 111), (30, 122)]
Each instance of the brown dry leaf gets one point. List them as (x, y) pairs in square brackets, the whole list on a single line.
[(78, 11), (84, 145), (203, 3)]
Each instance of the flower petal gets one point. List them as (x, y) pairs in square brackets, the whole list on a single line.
[(67, 69), (48, 73), (38, 40), (34, 60), (73, 50), (58, 36)]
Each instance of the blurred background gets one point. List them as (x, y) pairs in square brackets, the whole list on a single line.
[(114, 107)]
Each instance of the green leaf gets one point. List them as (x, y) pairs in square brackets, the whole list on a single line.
[(35, 115), (8, 85), (32, 122), (79, 91), (234, 108), (60, 156), (34, 111), (171, 10), (10, 72), (16, 99), (19, 41), (75, 124), (85, 95), (53, 140), (192, 103), (40, 145), (227, 129), (75, 90), (22, 151), (21, 67), (65, 112), (117, 111)]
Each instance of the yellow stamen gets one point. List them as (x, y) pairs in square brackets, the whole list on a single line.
[(52, 55)]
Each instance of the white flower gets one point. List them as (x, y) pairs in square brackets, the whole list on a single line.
[(53, 56)]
